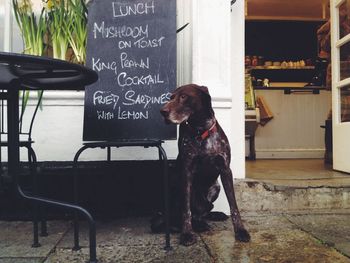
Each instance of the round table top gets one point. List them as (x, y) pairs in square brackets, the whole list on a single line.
[(35, 72)]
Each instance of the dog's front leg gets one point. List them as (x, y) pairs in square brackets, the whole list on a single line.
[(241, 233), (187, 236)]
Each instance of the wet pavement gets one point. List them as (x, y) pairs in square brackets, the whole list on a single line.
[(322, 236)]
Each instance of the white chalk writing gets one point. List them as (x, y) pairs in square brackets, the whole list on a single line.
[(104, 115), (145, 43), (120, 31), (126, 62), (124, 44), (131, 56), (99, 65), (131, 99), (105, 98), (125, 81), (133, 9), (132, 115)]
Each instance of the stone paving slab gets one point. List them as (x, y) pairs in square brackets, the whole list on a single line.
[(135, 254), (274, 239), (332, 229), (128, 231), (129, 240), (16, 241), (21, 260)]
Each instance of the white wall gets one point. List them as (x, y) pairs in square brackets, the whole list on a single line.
[(294, 131), (204, 57)]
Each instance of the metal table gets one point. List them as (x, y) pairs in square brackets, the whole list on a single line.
[(19, 71)]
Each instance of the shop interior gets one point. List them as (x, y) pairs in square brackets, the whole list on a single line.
[(287, 98)]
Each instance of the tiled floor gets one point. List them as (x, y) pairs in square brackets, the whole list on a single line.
[(294, 172)]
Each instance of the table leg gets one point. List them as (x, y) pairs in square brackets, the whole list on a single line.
[(13, 147), (13, 132)]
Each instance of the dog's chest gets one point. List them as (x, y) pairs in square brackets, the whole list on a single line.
[(210, 147)]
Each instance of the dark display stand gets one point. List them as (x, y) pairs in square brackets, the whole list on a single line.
[(108, 145), (132, 47)]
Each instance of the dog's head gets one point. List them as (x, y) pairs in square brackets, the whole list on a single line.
[(187, 102)]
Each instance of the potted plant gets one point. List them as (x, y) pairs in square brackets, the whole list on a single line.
[(33, 30)]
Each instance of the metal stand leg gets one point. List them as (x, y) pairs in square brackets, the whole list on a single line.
[(163, 158), (76, 216), (35, 226), (76, 197), (92, 226)]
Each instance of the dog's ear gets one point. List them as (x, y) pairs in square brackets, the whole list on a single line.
[(206, 98), (204, 89)]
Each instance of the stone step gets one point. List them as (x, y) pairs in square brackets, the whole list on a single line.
[(274, 196)]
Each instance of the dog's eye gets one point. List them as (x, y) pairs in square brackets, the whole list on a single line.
[(183, 96)]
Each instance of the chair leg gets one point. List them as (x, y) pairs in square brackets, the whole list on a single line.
[(32, 167), (91, 221), (1, 169), (41, 210), (108, 154), (252, 148)]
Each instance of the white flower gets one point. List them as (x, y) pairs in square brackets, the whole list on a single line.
[(25, 6)]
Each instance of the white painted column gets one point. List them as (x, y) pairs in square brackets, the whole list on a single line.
[(211, 46), (237, 47), (218, 63), (8, 26)]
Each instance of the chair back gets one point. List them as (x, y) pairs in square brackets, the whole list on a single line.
[(26, 116)]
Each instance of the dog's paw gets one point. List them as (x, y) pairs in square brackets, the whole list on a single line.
[(157, 223), (188, 239), (217, 216), (242, 235), (200, 226)]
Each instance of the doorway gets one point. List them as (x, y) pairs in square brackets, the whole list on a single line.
[(287, 79)]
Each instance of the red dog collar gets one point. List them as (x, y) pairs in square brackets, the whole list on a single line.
[(202, 136), (206, 133)]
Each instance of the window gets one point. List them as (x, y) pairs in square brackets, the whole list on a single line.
[(15, 34), (2, 22)]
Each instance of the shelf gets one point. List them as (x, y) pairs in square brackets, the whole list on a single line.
[(290, 90), (281, 68), (285, 18)]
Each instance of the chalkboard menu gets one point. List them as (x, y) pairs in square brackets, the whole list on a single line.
[(132, 47)]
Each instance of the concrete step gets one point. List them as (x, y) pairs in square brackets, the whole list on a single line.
[(292, 195)]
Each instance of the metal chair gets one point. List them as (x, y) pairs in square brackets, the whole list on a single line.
[(25, 130), (26, 122), (19, 72)]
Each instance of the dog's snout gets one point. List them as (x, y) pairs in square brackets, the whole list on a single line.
[(165, 111)]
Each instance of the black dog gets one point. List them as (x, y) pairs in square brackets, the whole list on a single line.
[(204, 154)]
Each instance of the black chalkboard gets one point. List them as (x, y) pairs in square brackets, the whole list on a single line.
[(132, 47)]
